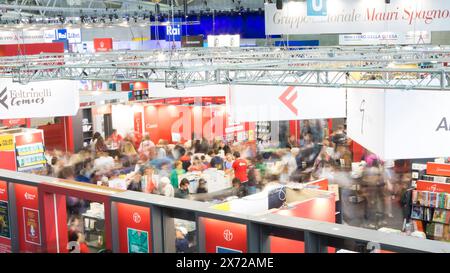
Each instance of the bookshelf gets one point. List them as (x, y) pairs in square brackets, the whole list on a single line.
[(430, 202)]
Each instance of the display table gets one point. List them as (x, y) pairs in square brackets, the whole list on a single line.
[(216, 180)]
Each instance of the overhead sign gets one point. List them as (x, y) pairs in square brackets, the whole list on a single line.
[(386, 38), (173, 31), (103, 44), (251, 103), (350, 16), (224, 41), (38, 99), (400, 124), (192, 41), (73, 35)]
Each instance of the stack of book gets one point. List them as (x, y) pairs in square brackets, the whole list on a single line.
[(431, 199)]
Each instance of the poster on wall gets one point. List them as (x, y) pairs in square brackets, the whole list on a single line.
[(350, 16), (4, 220), (32, 226), (38, 99), (137, 241)]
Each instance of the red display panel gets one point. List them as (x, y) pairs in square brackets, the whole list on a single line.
[(26, 138), (432, 186), (31, 49), (188, 100), (173, 101), (438, 169), (322, 184), (140, 86), (8, 160), (103, 44), (54, 135), (321, 209), (220, 100), (207, 100), (14, 122), (138, 122), (134, 229), (5, 223), (224, 237), (28, 218)]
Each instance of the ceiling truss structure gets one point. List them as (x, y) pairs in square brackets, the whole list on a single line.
[(363, 67)]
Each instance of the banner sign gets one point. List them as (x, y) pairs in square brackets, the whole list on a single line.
[(103, 44), (386, 38), (38, 99), (350, 16), (173, 31), (224, 40), (251, 103), (40, 36), (400, 124), (192, 41)]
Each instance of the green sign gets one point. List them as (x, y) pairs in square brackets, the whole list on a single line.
[(137, 241)]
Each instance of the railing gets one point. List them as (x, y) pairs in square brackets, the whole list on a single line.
[(317, 236)]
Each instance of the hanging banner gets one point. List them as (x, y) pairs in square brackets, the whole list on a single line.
[(73, 35), (224, 40), (251, 103), (38, 99), (386, 38), (103, 44), (400, 124), (350, 16), (159, 90)]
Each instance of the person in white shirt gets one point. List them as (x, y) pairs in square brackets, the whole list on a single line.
[(165, 188), (147, 147)]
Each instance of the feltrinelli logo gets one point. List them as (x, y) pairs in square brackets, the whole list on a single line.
[(3, 98), (15, 98)]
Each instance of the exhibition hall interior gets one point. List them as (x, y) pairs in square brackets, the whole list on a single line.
[(224, 126)]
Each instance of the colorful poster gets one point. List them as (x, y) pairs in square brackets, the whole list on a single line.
[(220, 249), (6, 143), (137, 241), (32, 226), (4, 220)]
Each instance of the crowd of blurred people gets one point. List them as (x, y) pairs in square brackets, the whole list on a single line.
[(249, 165)]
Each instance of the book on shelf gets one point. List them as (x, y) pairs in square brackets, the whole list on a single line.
[(440, 216), (417, 212), (431, 199)]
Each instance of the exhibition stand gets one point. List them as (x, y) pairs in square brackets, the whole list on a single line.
[(22, 150)]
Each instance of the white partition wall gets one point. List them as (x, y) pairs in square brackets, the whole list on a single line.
[(400, 124)]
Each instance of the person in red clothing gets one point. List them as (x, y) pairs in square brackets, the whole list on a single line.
[(115, 139), (78, 237), (240, 168)]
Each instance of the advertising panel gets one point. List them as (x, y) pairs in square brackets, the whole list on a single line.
[(5, 233), (134, 228), (224, 237), (103, 44), (272, 103), (28, 220), (386, 38), (350, 16), (38, 99), (400, 124)]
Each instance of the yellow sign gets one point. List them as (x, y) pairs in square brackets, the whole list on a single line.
[(6, 142)]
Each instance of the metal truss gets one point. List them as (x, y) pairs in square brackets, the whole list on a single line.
[(362, 67), (74, 7)]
